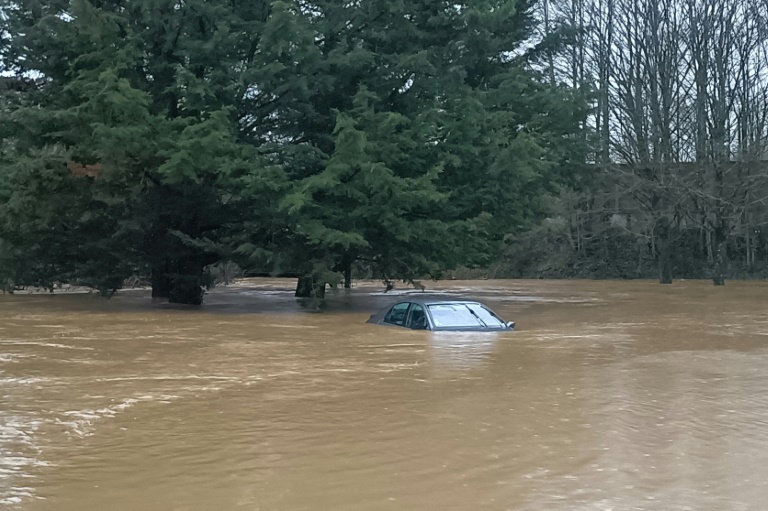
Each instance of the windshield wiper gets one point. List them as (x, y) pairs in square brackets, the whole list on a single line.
[(476, 316)]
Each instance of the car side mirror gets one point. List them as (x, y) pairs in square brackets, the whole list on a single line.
[(420, 324), (511, 325)]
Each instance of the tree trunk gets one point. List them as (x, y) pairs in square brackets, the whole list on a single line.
[(186, 289), (308, 287), (750, 250), (186, 282), (665, 265), (662, 251), (178, 282), (718, 273), (160, 283), (304, 287), (345, 267)]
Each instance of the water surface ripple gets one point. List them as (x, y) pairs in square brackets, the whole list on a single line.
[(610, 396)]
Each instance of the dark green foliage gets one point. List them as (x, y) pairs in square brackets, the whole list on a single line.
[(409, 137), (146, 93), (430, 141)]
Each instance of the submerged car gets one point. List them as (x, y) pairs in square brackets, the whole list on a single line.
[(441, 315)]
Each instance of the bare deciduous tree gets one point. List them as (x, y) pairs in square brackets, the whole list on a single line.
[(681, 113)]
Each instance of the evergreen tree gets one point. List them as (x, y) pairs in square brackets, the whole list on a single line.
[(290, 136), (145, 92), (426, 137)]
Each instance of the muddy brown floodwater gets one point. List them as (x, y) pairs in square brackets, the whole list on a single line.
[(610, 396)]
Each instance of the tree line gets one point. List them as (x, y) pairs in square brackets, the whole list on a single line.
[(601, 138), (310, 137), (680, 138)]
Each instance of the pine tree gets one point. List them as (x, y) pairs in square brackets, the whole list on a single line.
[(291, 136), (427, 136), (147, 93)]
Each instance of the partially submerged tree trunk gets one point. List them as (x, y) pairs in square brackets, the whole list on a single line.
[(662, 250), (718, 267), (162, 263), (308, 287), (665, 267), (345, 268), (186, 289), (161, 285), (182, 280)]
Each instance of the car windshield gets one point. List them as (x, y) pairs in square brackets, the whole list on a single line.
[(472, 315)]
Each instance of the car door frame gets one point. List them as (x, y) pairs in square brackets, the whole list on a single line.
[(425, 309), (405, 319)]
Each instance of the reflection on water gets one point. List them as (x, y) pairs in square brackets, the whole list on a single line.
[(463, 350), (611, 395)]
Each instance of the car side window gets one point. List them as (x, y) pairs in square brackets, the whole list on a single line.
[(417, 317), (397, 314)]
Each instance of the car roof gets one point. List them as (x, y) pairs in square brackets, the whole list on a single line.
[(435, 301)]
